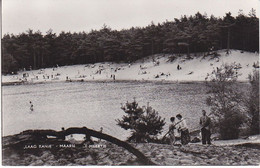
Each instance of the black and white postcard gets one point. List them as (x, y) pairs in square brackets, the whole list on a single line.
[(121, 83)]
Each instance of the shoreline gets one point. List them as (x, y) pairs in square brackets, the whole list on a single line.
[(112, 81)]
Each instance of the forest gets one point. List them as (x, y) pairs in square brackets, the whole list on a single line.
[(189, 34)]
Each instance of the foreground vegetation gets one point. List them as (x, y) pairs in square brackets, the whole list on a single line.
[(230, 107)]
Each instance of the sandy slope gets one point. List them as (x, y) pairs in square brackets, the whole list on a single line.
[(195, 69), (225, 152), (160, 154)]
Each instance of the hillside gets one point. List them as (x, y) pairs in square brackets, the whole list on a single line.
[(156, 68)]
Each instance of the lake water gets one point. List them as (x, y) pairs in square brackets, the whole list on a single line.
[(96, 104)]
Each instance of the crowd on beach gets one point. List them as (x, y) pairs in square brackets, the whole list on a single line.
[(157, 68), (42, 75)]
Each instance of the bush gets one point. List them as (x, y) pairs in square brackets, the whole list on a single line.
[(144, 123), (229, 125), (253, 102), (225, 100)]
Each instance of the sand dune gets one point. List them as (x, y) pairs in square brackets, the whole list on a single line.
[(156, 68)]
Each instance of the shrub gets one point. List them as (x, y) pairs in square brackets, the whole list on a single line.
[(225, 100), (253, 102), (229, 125), (144, 123)]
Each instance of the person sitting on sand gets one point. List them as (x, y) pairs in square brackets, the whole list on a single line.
[(171, 131), (178, 67), (183, 129)]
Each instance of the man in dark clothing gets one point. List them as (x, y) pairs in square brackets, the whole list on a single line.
[(205, 128)]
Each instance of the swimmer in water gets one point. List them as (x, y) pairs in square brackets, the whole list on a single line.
[(31, 107)]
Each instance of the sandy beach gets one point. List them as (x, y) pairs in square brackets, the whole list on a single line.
[(153, 68)]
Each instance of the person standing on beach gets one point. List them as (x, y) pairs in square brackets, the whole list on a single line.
[(171, 131), (178, 67), (183, 129), (205, 128)]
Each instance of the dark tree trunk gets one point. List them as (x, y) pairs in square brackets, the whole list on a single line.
[(90, 132)]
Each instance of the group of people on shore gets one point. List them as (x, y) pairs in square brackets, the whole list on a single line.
[(182, 128)]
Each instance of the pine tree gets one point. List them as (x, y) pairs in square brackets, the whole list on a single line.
[(144, 123)]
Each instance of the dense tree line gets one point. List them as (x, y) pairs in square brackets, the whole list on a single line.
[(196, 34)]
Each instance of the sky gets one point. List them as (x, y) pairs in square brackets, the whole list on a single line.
[(85, 15)]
